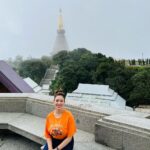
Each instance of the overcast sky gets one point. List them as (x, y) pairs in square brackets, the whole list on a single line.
[(116, 28)]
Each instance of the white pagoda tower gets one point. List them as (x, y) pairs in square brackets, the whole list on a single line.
[(60, 42)]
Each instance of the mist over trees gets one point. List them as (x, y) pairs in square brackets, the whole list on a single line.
[(31, 67), (82, 66), (139, 62)]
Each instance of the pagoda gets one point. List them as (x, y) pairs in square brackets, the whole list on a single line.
[(60, 42)]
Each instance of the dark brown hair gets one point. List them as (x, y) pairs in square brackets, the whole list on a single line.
[(59, 92)]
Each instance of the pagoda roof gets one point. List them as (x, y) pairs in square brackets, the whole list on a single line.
[(94, 89)]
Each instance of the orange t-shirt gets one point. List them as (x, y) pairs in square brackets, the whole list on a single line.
[(60, 128)]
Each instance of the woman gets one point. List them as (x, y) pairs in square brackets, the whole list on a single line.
[(60, 126)]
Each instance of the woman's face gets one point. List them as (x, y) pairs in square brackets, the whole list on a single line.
[(59, 102)]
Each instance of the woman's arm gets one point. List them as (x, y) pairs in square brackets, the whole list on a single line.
[(49, 143), (64, 143)]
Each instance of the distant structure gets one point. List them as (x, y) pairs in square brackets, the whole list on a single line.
[(47, 79), (60, 42), (11, 82), (93, 96), (59, 45)]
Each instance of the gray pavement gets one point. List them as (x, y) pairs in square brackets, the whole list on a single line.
[(86, 141), (11, 141)]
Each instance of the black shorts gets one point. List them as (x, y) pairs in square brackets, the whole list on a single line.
[(56, 142)]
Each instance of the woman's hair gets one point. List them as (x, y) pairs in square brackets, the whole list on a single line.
[(58, 93)]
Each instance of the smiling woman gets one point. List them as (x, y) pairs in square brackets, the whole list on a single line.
[(60, 126)]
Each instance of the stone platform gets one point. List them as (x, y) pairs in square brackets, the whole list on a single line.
[(124, 132), (24, 114), (32, 128)]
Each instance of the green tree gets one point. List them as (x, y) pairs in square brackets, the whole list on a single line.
[(141, 88), (60, 58), (66, 79), (47, 61), (15, 64), (33, 68), (74, 67)]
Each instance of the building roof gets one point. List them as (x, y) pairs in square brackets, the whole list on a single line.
[(94, 89), (93, 96), (12, 81), (32, 84)]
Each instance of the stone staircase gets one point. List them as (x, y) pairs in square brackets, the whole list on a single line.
[(49, 75)]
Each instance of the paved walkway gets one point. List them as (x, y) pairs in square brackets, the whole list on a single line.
[(32, 127)]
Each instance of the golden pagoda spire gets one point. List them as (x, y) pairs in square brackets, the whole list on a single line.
[(60, 42), (60, 20)]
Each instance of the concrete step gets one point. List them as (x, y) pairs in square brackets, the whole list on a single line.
[(45, 81)]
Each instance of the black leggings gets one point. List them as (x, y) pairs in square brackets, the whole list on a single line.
[(56, 142)]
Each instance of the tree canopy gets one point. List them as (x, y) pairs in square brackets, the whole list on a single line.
[(34, 68), (82, 66)]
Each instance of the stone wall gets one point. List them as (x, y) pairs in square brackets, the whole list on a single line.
[(12, 104), (40, 105), (123, 132)]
